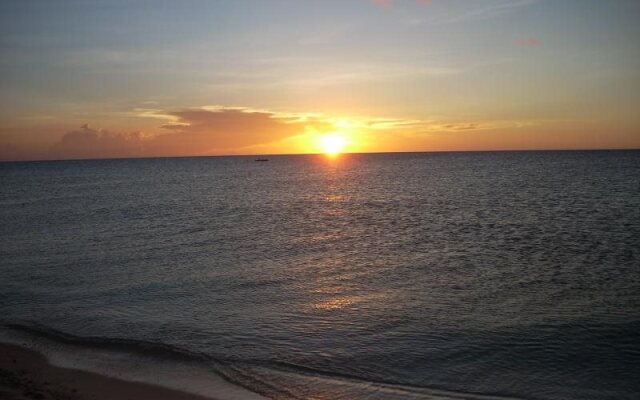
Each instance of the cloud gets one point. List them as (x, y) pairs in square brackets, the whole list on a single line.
[(424, 2), (452, 127), (486, 10), (188, 132), (216, 130), (97, 143), (530, 42), (220, 130)]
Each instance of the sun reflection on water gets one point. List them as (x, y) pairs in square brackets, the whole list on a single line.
[(334, 198), (334, 304)]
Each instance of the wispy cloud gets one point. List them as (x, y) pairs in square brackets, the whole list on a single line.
[(452, 12), (485, 10), (480, 125), (362, 73)]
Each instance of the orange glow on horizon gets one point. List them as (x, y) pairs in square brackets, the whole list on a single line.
[(332, 144)]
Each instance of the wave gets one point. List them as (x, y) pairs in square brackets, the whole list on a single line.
[(270, 378), (62, 348), (139, 347)]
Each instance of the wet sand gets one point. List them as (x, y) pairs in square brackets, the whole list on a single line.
[(25, 374)]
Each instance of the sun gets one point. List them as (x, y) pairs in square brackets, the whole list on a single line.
[(333, 144)]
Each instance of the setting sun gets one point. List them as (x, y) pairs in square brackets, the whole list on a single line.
[(332, 144)]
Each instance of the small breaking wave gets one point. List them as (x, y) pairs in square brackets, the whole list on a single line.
[(272, 379)]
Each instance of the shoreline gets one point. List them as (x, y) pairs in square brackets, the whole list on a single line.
[(27, 374)]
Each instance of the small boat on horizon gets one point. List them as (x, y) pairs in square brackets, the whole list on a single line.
[(261, 159)]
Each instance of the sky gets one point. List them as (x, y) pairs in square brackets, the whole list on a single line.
[(138, 78)]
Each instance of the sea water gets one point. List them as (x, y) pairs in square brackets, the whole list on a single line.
[(386, 276)]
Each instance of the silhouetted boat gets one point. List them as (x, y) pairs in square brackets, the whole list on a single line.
[(261, 159)]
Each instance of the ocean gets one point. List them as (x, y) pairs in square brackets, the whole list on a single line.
[(483, 275)]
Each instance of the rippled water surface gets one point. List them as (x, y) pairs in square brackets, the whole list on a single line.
[(363, 276)]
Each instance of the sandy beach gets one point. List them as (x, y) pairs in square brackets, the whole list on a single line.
[(25, 374)]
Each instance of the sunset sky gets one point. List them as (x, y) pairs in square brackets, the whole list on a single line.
[(96, 79)]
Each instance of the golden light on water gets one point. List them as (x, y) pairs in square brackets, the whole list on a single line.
[(334, 304)]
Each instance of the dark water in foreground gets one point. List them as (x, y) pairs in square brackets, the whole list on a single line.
[(367, 276)]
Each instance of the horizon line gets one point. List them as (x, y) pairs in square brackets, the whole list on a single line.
[(320, 154)]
